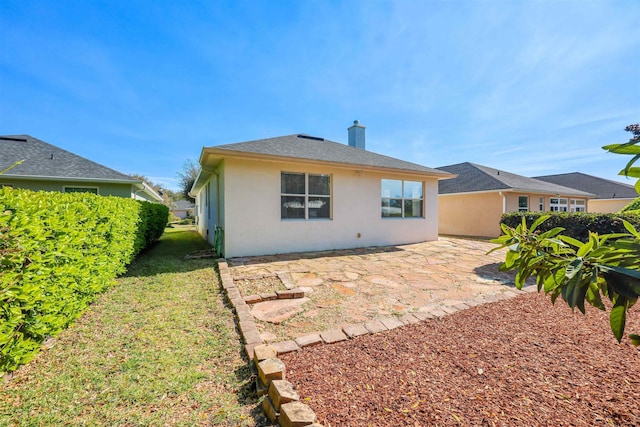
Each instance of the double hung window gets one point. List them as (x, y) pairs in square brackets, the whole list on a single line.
[(523, 203), (305, 196), (402, 199), (578, 206), (557, 204)]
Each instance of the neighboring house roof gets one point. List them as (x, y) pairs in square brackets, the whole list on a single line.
[(316, 150), (477, 178), (43, 161), (182, 205), (602, 188)]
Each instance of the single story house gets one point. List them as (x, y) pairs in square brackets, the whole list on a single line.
[(183, 209), (472, 203), (49, 168), (299, 193), (611, 196)]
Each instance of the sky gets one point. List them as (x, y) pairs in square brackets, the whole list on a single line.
[(533, 88)]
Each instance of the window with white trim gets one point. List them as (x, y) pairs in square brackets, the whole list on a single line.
[(402, 199), (557, 204), (541, 204), (523, 203), (305, 196), (578, 205), (92, 190)]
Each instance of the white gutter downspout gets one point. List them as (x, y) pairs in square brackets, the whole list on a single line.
[(504, 201)]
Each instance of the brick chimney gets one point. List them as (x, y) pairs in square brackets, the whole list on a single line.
[(356, 135)]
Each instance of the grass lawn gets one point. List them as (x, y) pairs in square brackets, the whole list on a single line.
[(160, 348)]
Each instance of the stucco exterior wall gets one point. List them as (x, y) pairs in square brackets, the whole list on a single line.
[(104, 189), (250, 211), (607, 205), (478, 214), (472, 214)]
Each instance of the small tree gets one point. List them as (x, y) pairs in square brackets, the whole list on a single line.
[(187, 177), (606, 266)]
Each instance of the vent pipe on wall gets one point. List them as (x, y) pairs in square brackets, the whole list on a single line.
[(356, 135)]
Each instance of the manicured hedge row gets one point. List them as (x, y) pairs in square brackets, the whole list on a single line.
[(576, 225), (57, 252), (633, 206)]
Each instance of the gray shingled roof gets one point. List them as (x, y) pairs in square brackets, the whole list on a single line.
[(472, 177), (319, 149), (602, 188), (43, 160)]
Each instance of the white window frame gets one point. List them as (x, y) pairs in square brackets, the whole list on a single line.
[(307, 195), (561, 204), (541, 205), (521, 209), (574, 206), (88, 187), (402, 200)]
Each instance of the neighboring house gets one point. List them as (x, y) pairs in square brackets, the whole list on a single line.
[(611, 196), (300, 193), (183, 209), (49, 168), (472, 203)]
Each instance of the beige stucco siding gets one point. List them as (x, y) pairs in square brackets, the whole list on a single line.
[(250, 204), (607, 205), (471, 214)]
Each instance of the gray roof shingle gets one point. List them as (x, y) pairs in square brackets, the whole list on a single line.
[(473, 177), (602, 188), (44, 160), (301, 146)]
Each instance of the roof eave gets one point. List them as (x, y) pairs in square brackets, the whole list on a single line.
[(207, 152), (68, 179)]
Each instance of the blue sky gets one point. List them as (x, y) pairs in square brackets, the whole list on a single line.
[(140, 86)]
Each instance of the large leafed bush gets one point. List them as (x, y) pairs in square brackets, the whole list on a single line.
[(57, 252), (575, 224)]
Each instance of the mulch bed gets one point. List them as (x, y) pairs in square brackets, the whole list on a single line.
[(519, 362)]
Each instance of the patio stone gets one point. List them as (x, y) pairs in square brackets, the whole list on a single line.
[(271, 369), (281, 392), (409, 319), (296, 414), (437, 312), (422, 316), (264, 352), (269, 410), (460, 306), (449, 310), (333, 335), (252, 299), (371, 283), (278, 311), (308, 340), (391, 322), (285, 347), (353, 331), (375, 327)]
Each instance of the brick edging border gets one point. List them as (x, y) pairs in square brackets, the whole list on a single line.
[(281, 401)]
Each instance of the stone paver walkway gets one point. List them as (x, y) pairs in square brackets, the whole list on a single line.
[(360, 285)]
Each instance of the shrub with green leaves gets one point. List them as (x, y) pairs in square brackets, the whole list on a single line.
[(632, 207), (575, 224), (58, 251)]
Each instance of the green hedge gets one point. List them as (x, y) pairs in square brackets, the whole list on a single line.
[(576, 225), (58, 251), (632, 206)]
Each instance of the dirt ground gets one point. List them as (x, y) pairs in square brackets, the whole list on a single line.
[(518, 362)]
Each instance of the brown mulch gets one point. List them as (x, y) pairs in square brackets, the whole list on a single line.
[(519, 362)]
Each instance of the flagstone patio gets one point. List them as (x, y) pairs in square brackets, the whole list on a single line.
[(352, 286)]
